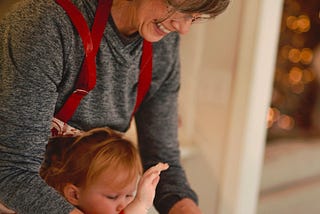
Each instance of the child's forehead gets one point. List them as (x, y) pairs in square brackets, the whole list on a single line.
[(114, 185), (116, 179)]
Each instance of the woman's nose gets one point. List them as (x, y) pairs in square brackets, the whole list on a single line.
[(182, 26)]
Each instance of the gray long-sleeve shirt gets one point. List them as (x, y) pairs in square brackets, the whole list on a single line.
[(41, 55)]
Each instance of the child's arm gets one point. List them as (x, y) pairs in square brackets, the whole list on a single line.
[(146, 190)]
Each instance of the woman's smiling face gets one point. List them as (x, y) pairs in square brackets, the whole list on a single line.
[(153, 19), (156, 19)]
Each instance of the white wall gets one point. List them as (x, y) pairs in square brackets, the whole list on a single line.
[(208, 58), (227, 73), (207, 55)]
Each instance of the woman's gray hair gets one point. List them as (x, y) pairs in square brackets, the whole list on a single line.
[(212, 8)]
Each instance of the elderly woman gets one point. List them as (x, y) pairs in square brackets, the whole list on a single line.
[(72, 65)]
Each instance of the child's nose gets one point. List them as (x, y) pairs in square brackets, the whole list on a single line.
[(121, 205)]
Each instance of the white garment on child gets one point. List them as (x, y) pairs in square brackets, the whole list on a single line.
[(60, 128)]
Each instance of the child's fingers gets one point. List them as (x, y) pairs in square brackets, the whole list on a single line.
[(157, 168), (150, 180), (155, 181), (161, 166), (152, 175)]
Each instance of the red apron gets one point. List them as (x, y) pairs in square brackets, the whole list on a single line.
[(87, 77)]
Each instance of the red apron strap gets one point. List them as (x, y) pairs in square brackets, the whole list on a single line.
[(91, 41), (100, 19), (145, 76), (79, 22)]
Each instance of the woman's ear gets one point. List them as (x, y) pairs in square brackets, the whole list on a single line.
[(71, 193)]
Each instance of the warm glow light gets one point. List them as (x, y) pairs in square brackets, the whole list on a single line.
[(294, 55), (297, 72), (292, 22), (295, 75), (303, 23), (300, 24), (285, 122), (306, 56), (272, 116), (308, 76), (269, 118)]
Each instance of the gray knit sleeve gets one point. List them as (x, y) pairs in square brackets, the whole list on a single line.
[(157, 122), (30, 70)]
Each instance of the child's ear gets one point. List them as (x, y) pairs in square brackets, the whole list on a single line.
[(71, 193)]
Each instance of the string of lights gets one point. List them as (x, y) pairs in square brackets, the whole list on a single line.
[(296, 88)]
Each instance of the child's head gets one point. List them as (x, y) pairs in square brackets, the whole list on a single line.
[(98, 167)]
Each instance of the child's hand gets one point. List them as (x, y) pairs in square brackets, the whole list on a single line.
[(148, 183), (146, 190)]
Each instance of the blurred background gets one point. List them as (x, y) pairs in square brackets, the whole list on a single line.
[(250, 108), (294, 107)]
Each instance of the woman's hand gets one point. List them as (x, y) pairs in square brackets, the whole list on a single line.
[(5, 210)]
